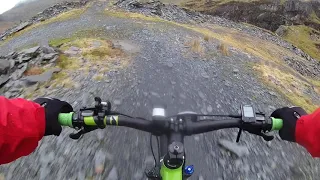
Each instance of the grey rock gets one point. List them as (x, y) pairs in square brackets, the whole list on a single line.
[(296, 172), (48, 50), (73, 48), (234, 148), (23, 58), (205, 75), (21, 26), (209, 109), (222, 162), (201, 177), (170, 64), (17, 74), (31, 52), (113, 175), (282, 30), (12, 63), (155, 94), (202, 96), (149, 161), (138, 175), (44, 77), (99, 161), (196, 137), (272, 93), (50, 56), (4, 79), (235, 71), (96, 44), (4, 66), (246, 168), (12, 55), (117, 102)]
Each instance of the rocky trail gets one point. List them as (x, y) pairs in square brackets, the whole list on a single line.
[(160, 61)]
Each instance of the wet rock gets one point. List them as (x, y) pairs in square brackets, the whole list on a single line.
[(113, 175), (234, 148), (4, 66), (44, 77)]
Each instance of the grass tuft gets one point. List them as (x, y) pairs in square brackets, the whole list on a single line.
[(223, 48)]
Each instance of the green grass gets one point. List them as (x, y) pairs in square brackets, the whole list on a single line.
[(59, 41), (300, 37), (314, 18)]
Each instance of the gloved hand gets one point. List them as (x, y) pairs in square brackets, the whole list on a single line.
[(52, 109), (289, 117)]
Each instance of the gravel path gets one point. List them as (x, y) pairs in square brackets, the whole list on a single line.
[(164, 70)]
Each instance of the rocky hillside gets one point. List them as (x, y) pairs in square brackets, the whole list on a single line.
[(268, 14), (295, 18)]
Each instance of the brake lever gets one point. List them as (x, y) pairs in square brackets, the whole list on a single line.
[(263, 135), (79, 134)]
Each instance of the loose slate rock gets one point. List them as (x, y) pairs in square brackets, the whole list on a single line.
[(234, 148), (44, 77), (31, 52), (4, 79), (113, 175), (4, 66), (19, 72)]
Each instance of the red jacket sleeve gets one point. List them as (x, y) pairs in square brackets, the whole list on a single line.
[(308, 132), (22, 125)]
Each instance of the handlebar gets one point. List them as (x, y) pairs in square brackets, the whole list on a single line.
[(74, 120)]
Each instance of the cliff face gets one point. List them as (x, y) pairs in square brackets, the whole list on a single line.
[(268, 14)]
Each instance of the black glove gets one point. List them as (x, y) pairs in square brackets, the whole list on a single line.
[(289, 117), (52, 109)]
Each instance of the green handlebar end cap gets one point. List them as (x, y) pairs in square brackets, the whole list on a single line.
[(277, 124), (65, 119)]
